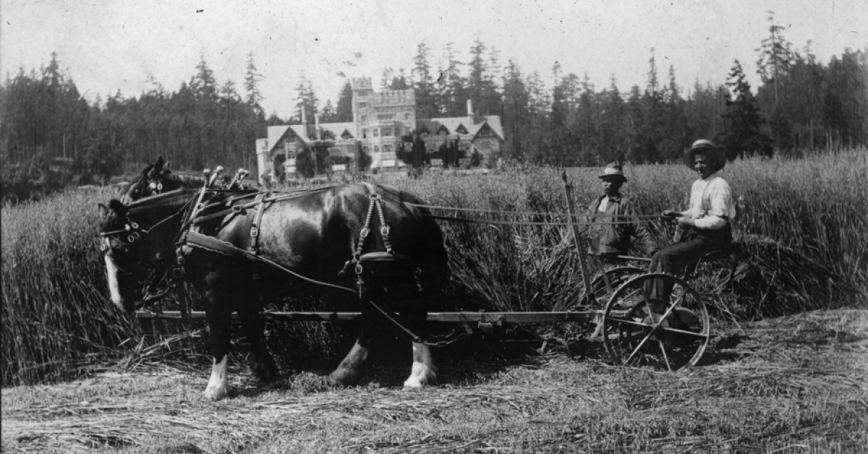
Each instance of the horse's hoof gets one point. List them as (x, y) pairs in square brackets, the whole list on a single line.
[(216, 393), (344, 377), (420, 378)]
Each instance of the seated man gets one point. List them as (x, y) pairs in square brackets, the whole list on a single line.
[(612, 221), (706, 224)]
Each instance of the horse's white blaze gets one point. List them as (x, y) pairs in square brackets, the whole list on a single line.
[(112, 274), (423, 372), (217, 385)]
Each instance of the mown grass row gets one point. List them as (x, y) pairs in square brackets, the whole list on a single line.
[(804, 222)]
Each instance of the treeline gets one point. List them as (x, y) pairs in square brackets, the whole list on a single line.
[(801, 104), (50, 135)]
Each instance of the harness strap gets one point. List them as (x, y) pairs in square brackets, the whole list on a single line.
[(363, 234), (212, 244), (384, 228), (257, 220)]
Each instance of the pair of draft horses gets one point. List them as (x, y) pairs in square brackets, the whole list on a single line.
[(238, 248)]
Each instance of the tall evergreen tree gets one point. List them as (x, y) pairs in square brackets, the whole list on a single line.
[(344, 110), (515, 110), (775, 57), (426, 105), (476, 81), (306, 101), (203, 82), (251, 85), (743, 135)]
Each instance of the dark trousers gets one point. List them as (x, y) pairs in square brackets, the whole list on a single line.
[(677, 257)]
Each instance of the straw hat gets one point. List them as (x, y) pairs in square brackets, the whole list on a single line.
[(613, 171), (709, 149)]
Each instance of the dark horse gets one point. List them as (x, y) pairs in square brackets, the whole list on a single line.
[(234, 246), (156, 179)]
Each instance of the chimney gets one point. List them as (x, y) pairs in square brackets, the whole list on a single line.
[(470, 111), (304, 123), (316, 126)]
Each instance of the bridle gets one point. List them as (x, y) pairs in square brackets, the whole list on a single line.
[(159, 281), (154, 185)]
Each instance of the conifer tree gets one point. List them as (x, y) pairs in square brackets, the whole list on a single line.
[(742, 135), (251, 84)]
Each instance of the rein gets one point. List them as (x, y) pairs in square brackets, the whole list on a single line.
[(636, 218)]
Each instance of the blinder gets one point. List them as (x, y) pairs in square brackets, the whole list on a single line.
[(160, 279)]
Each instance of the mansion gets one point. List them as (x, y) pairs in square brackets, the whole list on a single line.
[(381, 124)]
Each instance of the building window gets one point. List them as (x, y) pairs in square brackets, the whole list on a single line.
[(407, 116), (376, 132), (387, 148), (364, 119), (386, 117), (376, 149), (386, 132)]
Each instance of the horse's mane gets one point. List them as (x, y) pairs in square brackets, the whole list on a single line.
[(183, 178), (172, 198), (188, 180)]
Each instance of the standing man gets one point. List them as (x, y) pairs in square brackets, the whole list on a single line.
[(612, 221), (706, 225), (419, 152)]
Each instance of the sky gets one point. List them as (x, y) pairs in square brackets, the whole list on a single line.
[(119, 45)]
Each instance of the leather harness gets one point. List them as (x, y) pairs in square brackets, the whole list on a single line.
[(377, 260)]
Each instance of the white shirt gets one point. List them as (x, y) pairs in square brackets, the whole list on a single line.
[(711, 204)]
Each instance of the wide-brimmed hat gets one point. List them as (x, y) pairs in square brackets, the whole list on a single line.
[(613, 171), (707, 148)]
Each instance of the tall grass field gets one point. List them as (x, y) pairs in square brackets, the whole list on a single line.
[(803, 221)]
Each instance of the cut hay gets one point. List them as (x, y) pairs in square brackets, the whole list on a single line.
[(780, 383)]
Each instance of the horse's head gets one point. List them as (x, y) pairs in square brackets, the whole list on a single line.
[(155, 179), (137, 244)]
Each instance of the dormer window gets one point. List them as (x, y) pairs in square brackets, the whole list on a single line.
[(346, 135), (461, 129)]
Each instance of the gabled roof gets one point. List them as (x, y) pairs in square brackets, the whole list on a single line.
[(452, 124), (337, 129), (493, 122), (275, 133), (307, 133)]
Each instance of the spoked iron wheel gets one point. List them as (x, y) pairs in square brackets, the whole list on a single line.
[(666, 334), (604, 287)]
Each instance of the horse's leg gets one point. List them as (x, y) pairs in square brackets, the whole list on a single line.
[(423, 372), (220, 324), (262, 363), (222, 291), (349, 370)]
